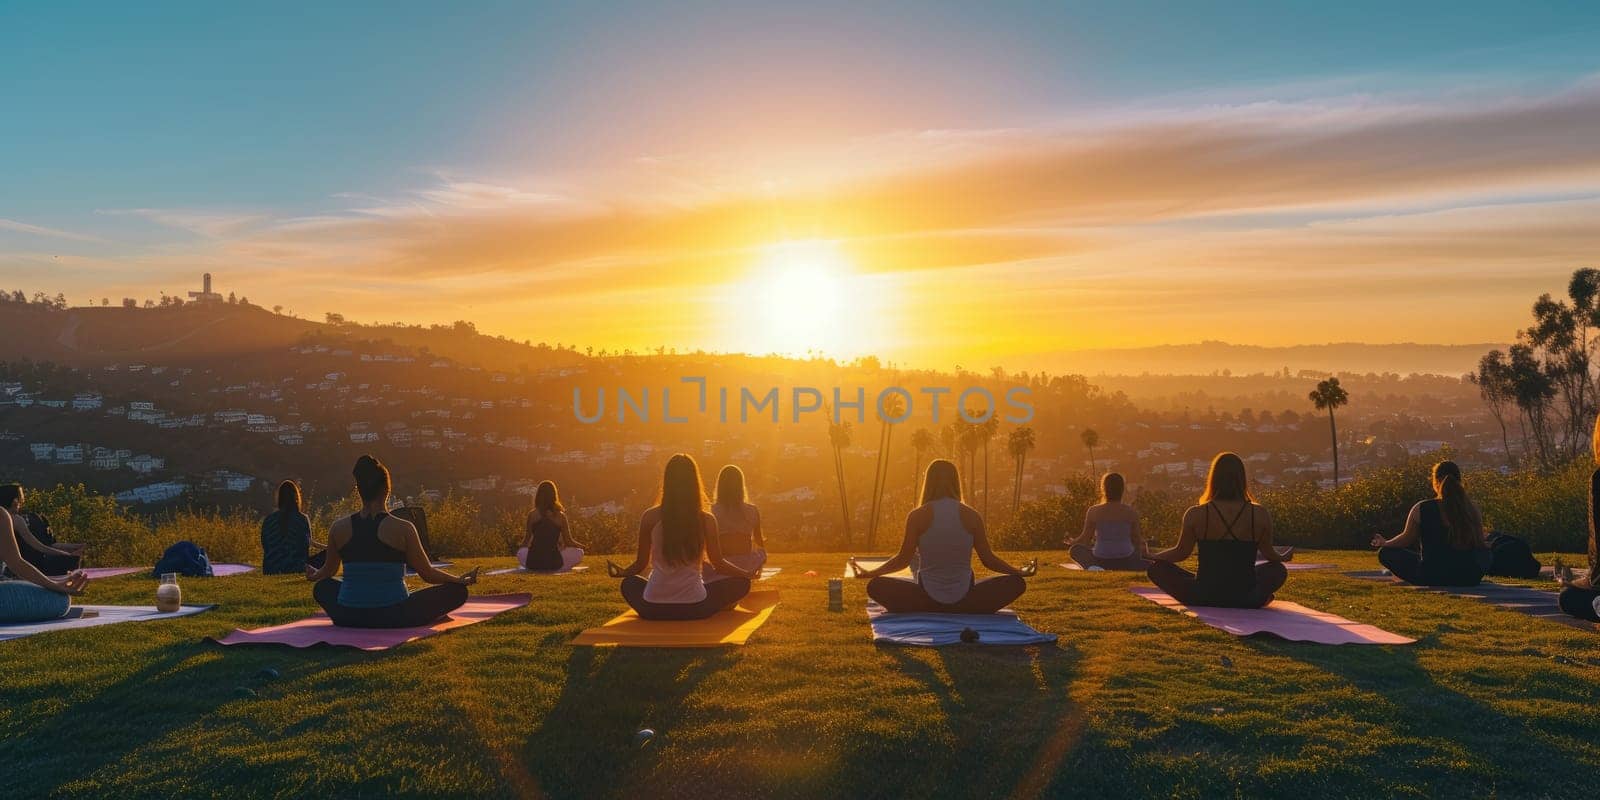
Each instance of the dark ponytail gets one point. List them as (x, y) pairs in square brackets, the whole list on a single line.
[(1466, 531)]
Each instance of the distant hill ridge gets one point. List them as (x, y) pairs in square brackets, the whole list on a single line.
[(1205, 358), (95, 336)]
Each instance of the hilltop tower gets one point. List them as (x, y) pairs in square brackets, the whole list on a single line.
[(205, 295)]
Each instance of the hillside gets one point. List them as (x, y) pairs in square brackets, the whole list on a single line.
[(96, 336)]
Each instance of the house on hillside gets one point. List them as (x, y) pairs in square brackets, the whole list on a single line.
[(145, 464)]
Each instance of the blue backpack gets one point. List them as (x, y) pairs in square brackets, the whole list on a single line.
[(184, 558)]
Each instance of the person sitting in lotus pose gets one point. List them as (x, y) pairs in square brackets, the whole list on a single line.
[(374, 548), (1442, 543), (738, 525), (1113, 528), (675, 536), (30, 596), (548, 545), (1231, 531), (943, 534)]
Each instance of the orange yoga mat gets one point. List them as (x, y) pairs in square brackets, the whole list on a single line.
[(724, 627)]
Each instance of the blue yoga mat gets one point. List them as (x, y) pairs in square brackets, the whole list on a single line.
[(936, 630)]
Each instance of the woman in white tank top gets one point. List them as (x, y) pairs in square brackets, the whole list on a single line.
[(943, 533), (1113, 528), (675, 536)]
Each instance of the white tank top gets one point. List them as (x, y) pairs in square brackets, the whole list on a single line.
[(672, 583), (734, 529), (945, 551), (1113, 539)]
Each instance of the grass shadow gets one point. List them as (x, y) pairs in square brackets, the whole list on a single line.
[(586, 745)]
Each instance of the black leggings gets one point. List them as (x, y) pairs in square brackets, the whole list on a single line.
[(987, 596), (720, 594), (423, 607), (1579, 602), (1408, 565), (1185, 588), (1084, 555)]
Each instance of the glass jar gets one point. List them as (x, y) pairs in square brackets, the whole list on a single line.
[(169, 597)]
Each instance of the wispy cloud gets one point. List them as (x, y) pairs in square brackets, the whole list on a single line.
[(40, 230)]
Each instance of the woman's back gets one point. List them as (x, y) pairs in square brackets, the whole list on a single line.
[(1433, 534), (1113, 529), (669, 582), (945, 553), (1227, 545), (374, 570), (285, 542), (544, 549), (735, 527)]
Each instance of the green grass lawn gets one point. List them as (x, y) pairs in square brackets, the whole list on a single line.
[(1134, 700)]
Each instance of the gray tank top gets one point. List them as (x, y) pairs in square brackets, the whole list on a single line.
[(1113, 539), (945, 553)]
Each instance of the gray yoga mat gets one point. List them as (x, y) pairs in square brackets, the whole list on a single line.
[(1521, 599), (94, 616)]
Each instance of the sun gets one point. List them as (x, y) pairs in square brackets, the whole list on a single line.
[(797, 299)]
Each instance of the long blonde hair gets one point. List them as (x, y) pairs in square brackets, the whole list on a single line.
[(940, 481), (1226, 480), (683, 508)]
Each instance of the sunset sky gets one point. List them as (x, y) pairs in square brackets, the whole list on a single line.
[(936, 183)]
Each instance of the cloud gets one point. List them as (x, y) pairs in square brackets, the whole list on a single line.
[(211, 224), (40, 230)]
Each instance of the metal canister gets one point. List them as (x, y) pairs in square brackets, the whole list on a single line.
[(835, 594)]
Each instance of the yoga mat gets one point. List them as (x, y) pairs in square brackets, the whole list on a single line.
[(724, 627), (1549, 573), (873, 562), (436, 565), (226, 570), (317, 629), (1280, 618), (936, 630), (94, 616), (1521, 599), (1073, 565), (525, 571), (1288, 565), (97, 573)]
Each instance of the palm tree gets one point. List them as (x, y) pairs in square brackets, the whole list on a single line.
[(839, 437), (893, 408), (986, 431), (1018, 443), (922, 441), (967, 435), (1090, 439), (1328, 396), (948, 436)]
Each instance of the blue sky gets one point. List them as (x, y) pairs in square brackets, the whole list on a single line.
[(134, 136)]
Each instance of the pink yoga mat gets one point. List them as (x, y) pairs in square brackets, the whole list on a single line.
[(1280, 618), (110, 572), (226, 570), (318, 629), (1288, 565)]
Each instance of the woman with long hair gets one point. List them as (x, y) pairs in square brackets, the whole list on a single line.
[(375, 547), (1442, 543), (1579, 595), (548, 545), (286, 534), (943, 533), (1231, 531), (738, 524), (1113, 529), (676, 535)]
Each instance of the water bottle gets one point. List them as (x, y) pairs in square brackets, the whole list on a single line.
[(835, 594)]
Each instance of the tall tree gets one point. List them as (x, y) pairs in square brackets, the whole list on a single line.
[(1328, 396), (1090, 439), (986, 431), (1499, 393), (893, 408), (839, 439), (1018, 443), (921, 442)]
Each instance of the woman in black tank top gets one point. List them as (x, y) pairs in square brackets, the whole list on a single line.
[(1231, 532), (1442, 543)]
